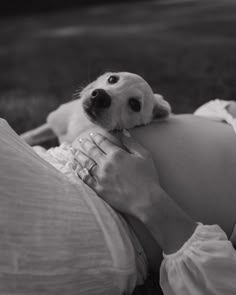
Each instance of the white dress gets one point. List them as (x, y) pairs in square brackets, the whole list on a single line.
[(56, 235), (206, 263)]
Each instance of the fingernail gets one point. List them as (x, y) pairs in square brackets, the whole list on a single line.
[(72, 150), (81, 140), (91, 134), (126, 133)]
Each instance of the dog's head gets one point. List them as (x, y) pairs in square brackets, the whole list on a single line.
[(122, 100)]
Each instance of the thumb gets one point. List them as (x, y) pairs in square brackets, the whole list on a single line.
[(132, 145)]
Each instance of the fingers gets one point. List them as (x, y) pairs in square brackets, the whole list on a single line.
[(91, 150), (86, 176), (93, 158), (132, 145), (104, 144), (86, 169), (99, 146), (85, 161)]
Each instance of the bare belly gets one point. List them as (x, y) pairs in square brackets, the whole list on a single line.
[(196, 161)]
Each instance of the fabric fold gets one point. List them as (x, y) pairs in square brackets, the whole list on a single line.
[(205, 264)]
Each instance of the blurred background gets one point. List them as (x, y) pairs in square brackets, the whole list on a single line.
[(185, 49)]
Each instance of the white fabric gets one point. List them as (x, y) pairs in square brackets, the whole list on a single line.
[(233, 237), (217, 110), (205, 265), (62, 158), (59, 237)]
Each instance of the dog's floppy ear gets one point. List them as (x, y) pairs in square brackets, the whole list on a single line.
[(161, 107)]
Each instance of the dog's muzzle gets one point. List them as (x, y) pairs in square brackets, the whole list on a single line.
[(100, 99)]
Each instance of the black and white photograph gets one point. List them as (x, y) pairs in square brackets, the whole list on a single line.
[(118, 147)]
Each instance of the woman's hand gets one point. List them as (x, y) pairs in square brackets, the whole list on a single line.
[(126, 179)]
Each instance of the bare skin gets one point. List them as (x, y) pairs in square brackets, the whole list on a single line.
[(196, 163)]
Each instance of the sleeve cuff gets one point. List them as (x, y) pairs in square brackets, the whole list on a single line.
[(202, 233)]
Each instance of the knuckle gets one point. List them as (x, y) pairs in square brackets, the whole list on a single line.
[(117, 155), (101, 175), (80, 156), (93, 150), (104, 171), (99, 139), (87, 162), (107, 169)]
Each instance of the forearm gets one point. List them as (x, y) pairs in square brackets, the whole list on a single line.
[(169, 225), (197, 254)]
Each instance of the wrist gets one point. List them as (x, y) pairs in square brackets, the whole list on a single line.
[(170, 226)]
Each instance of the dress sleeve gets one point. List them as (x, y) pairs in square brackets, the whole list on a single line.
[(205, 264)]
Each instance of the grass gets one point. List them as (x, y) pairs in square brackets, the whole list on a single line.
[(184, 49)]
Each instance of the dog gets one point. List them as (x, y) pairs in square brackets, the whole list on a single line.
[(114, 101)]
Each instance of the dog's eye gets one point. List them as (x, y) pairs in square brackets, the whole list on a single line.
[(113, 79), (135, 104)]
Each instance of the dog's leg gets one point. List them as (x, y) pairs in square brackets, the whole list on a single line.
[(38, 135)]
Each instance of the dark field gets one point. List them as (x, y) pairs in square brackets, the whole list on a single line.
[(186, 50)]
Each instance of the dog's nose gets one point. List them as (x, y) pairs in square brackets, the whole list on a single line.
[(100, 98)]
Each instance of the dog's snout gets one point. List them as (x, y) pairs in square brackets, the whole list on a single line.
[(100, 98)]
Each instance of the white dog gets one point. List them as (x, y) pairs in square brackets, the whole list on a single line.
[(114, 101)]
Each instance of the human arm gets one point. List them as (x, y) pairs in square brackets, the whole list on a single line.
[(196, 162), (205, 264), (137, 192), (200, 248)]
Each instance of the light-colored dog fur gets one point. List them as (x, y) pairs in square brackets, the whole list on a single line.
[(114, 111), (72, 118)]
